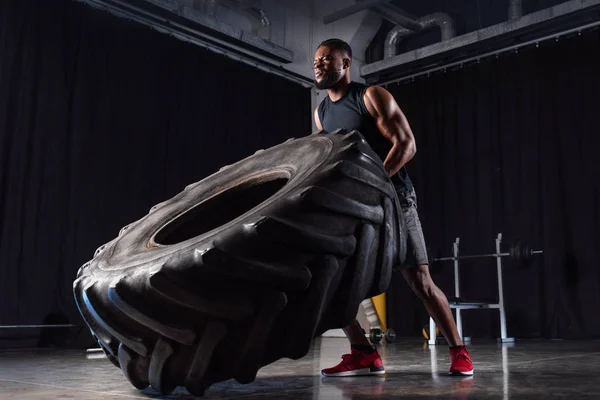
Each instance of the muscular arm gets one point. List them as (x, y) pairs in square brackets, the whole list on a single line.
[(316, 117), (393, 125)]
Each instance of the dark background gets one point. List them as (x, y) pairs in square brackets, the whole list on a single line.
[(511, 145), (101, 118)]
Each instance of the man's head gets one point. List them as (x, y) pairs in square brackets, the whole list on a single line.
[(332, 63)]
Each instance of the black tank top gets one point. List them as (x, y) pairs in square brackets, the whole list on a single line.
[(350, 113)]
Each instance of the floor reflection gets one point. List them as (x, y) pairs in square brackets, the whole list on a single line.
[(522, 370)]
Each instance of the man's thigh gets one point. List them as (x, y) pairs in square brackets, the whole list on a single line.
[(416, 248)]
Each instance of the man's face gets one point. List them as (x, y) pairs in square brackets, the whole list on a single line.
[(329, 67)]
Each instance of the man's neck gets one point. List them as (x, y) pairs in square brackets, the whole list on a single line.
[(339, 90)]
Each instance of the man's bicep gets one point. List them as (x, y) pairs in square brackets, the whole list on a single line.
[(391, 121), (390, 126), (396, 125)]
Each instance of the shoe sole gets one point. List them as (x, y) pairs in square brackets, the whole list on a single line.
[(460, 373), (356, 372)]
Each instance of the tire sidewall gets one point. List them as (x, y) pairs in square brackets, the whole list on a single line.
[(297, 160)]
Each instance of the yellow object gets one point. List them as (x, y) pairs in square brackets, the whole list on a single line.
[(425, 332), (379, 305)]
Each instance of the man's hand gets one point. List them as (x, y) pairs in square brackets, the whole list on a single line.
[(393, 126)]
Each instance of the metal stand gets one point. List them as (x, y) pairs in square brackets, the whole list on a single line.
[(503, 336), (460, 305), (44, 326), (37, 326)]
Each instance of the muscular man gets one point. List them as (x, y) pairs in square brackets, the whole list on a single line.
[(374, 112)]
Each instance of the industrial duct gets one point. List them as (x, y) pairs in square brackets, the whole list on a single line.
[(441, 20), (445, 23), (523, 29), (397, 16), (248, 8)]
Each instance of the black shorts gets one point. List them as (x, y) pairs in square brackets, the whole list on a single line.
[(416, 250)]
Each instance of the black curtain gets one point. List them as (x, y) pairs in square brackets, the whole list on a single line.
[(511, 145), (100, 119)]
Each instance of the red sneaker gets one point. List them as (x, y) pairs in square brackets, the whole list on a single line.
[(461, 361), (357, 363)]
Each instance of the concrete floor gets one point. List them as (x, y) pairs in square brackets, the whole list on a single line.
[(524, 370)]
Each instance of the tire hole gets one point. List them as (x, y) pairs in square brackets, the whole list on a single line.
[(219, 210)]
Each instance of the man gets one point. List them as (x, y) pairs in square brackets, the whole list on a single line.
[(374, 112)]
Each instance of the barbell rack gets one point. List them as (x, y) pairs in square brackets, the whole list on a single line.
[(458, 305)]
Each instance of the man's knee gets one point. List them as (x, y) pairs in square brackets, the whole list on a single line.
[(420, 281)]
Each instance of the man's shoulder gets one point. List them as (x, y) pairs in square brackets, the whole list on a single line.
[(368, 91), (322, 103), (376, 93), (374, 88)]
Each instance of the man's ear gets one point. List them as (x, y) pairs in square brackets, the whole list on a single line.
[(346, 62)]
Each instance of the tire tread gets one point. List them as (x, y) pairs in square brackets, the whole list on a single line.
[(237, 309)]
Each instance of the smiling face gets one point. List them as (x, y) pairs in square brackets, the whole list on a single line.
[(330, 66)]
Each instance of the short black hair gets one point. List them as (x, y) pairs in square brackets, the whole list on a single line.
[(337, 44)]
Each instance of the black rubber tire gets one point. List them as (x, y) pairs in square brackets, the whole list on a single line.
[(191, 298)]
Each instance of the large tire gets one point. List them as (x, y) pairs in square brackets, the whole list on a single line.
[(246, 266)]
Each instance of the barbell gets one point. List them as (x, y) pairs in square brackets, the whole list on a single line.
[(519, 251)]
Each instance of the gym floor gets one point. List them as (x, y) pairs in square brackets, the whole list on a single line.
[(524, 370)]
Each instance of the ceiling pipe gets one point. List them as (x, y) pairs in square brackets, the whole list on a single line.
[(397, 16), (566, 18), (515, 9), (211, 7), (256, 16), (259, 20), (243, 4), (441, 20), (208, 7)]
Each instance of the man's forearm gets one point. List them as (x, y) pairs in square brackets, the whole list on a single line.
[(398, 156)]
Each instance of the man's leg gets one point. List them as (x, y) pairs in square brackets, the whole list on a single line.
[(363, 358), (435, 302), (417, 275), (356, 336)]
